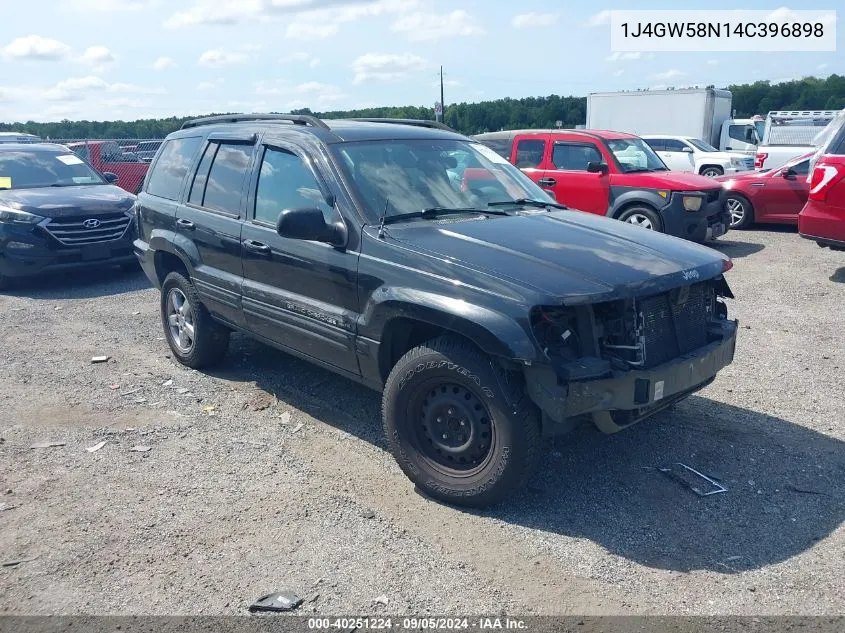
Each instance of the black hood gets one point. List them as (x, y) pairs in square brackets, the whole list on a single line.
[(574, 256), (61, 202)]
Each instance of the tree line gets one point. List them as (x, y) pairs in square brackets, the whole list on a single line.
[(760, 97)]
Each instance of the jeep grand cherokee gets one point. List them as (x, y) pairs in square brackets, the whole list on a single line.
[(487, 314)]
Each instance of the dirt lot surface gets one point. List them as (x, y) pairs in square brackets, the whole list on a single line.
[(269, 474)]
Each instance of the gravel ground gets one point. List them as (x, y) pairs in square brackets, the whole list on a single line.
[(270, 474)]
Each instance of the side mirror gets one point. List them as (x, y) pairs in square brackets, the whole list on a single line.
[(308, 223), (596, 167), (687, 150), (551, 194), (110, 177), (789, 173)]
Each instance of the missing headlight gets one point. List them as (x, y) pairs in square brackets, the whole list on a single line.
[(555, 330)]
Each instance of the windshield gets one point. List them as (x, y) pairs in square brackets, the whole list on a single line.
[(699, 144), (393, 177), (634, 154), (27, 170)]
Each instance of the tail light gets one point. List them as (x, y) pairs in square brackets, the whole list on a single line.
[(823, 178), (759, 159)]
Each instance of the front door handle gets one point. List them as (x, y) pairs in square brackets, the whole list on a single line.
[(185, 224), (256, 247), (547, 182)]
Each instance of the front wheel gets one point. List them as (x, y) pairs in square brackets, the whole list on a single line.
[(742, 214), (642, 217), (459, 429), (195, 338), (712, 171)]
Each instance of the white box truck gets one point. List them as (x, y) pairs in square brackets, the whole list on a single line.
[(702, 113)]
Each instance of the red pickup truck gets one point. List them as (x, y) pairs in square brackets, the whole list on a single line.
[(108, 156), (617, 175)]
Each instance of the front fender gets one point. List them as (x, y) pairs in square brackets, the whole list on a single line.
[(624, 196), (495, 333)]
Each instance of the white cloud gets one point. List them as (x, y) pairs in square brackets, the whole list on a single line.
[(600, 18), (210, 85), (97, 55), (216, 58), (669, 74), (528, 20), (300, 58), (77, 88), (311, 94), (163, 63), (310, 30), (617, 56), (107, 6), (35, 47), (383, 67), (713, 62), (422, 27), (821, 66), (226, 12), (618, 73)]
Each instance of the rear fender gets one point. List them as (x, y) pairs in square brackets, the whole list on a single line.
[(176, 244)]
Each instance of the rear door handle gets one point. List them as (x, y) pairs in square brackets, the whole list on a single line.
[(256, 247), (185, 224), (547, 182)]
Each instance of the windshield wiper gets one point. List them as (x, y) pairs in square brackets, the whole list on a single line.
[(433, 212), (527, 202)]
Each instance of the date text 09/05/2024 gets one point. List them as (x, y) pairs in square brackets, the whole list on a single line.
[(416, 624), (720, 29)]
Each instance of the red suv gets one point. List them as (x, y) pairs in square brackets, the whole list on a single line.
[(617, 175), (823, 217)]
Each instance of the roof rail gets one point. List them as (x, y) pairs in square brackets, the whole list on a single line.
[(417, 122), (296, 119)]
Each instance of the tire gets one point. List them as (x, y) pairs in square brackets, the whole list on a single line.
[(210, 339), (711, 171), (642, 216), (447, 387), (741, 210)]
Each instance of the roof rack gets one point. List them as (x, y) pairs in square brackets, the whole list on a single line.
[(417, 122), (296, 119)]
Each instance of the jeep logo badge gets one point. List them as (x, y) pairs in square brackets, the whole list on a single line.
[(91, 223)]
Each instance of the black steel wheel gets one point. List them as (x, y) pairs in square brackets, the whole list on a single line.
[(460, 428)]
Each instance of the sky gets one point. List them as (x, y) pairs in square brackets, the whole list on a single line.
[(131, 59)]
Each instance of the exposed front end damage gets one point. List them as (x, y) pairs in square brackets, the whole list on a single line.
[(620, 361)]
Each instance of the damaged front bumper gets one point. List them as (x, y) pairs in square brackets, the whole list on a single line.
[(616, 399)]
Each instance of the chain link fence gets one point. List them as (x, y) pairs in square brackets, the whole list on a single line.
[(127, 158)]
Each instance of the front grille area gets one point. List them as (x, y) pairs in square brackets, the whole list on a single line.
[(712, 195), (674, 323), (77, 231)]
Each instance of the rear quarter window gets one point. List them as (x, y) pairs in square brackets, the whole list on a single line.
[(169, 171), (502, 146)]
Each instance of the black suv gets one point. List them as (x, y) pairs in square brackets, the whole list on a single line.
[(416, 261)]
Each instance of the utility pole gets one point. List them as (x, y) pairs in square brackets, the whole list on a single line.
[(442, 103)]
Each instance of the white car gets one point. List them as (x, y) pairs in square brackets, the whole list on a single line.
[(685, 153)]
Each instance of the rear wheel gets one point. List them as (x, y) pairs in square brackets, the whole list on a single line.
[(457, 427), (711, 171), (643, 217), (742, 213), (195, 338)]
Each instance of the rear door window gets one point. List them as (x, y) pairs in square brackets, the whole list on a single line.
[(222, 188), (529, 153), (657, 144), (502, 146), (673, 145), (172, 166)]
